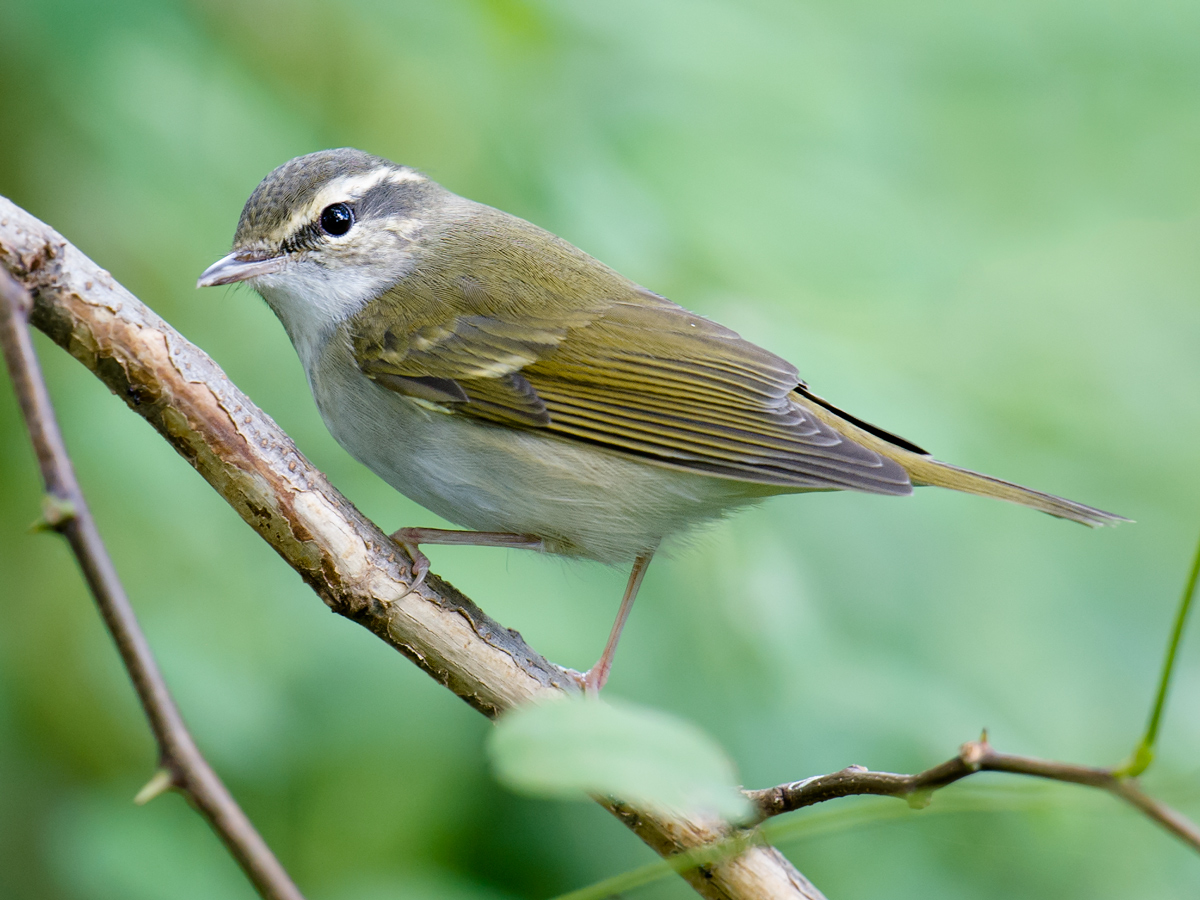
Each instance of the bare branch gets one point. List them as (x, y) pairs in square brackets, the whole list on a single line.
[(181, 764), (973, 756), (353, 566)]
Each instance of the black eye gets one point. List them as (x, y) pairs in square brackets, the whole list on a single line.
[(336, 219)]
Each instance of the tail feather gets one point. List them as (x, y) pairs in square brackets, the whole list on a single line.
[(923, 469), (927, 470)]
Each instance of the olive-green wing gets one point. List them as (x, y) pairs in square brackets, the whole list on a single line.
[(472, 363), (641, 377)]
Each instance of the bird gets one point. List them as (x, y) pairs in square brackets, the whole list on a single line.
[(521, 389)]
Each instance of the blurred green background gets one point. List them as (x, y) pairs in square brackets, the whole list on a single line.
[(973, 223)]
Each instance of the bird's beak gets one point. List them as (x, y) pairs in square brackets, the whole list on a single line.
[(241, 265)]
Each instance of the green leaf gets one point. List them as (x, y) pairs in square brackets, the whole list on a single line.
[(576, 746)]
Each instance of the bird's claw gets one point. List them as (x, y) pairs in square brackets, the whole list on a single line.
[(592, 681), (419, 562)]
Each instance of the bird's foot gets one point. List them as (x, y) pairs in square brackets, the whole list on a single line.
[(409, 541), (593, 680)]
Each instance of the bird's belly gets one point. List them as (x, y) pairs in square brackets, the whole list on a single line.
[(582, 500)]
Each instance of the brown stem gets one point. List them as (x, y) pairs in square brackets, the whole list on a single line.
[(352, 565), (67, 513), (973, 756)]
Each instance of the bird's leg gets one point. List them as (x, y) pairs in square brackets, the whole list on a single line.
[(594, 678), (411, 539)]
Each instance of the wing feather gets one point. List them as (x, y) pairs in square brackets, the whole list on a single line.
[(626, 370)]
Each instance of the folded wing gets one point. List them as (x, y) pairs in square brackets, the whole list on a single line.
[(639, 376)]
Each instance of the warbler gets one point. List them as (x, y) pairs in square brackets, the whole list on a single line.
[(515, 386)]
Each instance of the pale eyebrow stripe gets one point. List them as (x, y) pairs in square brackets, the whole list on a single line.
[(346, 188)]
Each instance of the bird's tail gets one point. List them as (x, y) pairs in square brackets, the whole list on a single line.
[(923, 469)]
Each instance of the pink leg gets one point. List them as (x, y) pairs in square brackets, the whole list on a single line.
[(594, 678), (411, 539)]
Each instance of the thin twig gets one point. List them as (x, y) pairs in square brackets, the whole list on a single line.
[(978, 756), (181, 764), (350, 563), (973, 757)]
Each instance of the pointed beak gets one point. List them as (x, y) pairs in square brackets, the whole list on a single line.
[(240, 265)]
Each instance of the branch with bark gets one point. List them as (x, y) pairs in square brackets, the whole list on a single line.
[(181, 765), (349, 562), (973, 757), (360, 573)]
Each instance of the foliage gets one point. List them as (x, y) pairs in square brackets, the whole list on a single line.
[(583, 746)]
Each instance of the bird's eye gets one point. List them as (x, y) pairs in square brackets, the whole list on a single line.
[(336, 219)]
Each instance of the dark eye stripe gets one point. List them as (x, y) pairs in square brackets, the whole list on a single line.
[(312, 234), (391, 200), (306, 238)]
